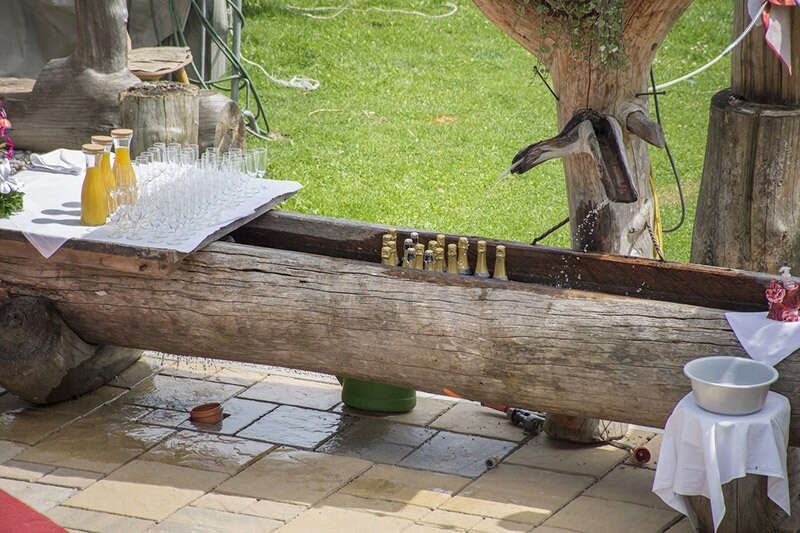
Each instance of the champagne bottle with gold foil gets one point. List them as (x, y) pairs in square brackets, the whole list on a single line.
[(408, 256), (105, 168), (94, 197), (438, 260), (463, 258), (432, 245), (500, 263), (440, 241), (408, 243), (481, 268), (386, 255), (419, 256), (415, 237), (428, 261), (452, 259), (393, 252)]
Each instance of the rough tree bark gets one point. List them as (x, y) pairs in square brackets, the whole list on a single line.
[(596, 224), (77, 96), (165, 112)]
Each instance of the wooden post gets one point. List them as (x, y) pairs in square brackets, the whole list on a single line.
[(747, 209), (165, 112), (77, 96), (580, 82)]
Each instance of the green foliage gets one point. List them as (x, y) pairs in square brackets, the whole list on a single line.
[(593, 27), (416, 118), (10, 203)]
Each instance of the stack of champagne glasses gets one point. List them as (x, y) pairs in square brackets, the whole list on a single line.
[(180, 190)]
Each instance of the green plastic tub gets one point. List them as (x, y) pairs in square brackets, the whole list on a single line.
[(377, 397)]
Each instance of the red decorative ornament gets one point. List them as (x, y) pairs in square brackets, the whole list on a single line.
[(784, 298)]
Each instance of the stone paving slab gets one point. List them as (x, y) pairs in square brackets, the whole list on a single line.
[(404, 485), (206, 451), (69, 477), (376, 440), (593, 515), (294, 426), (475, 419), (81, 519), (178, 393), (335, 520), (567, 457), (297, 392), (237, 415), (147, 490), (214, 521), (426, 411), (458, 454), (39, 497), (95, 445), (294, 476), (518, 494), (23, 471), (628, 484)]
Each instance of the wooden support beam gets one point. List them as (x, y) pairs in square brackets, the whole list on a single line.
[(566, 351)]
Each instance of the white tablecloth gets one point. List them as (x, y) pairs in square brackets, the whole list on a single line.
[(701, 451), (765, 340), (51, 213)]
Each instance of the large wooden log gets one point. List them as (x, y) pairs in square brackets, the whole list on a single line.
[(43, 361), (165, 112), (574, 352), (77, 96)]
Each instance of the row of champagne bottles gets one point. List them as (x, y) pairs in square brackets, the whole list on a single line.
[(439, 256), (106, 187)]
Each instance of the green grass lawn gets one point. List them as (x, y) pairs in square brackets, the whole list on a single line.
[(416, 118)]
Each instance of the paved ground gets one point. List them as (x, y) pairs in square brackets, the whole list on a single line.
[(289, 457)]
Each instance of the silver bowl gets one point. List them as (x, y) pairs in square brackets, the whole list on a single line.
[(730, 385)]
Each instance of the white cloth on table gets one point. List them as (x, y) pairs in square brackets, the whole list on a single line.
[(765, 340), (701, 451), (59, 161), (52, 211)]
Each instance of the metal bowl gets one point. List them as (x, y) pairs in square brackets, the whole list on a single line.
[(730, 385)]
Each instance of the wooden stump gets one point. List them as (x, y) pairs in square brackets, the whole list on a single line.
[(43, 361), (221, 123), (165, 112), (747, 214), (747, 508)]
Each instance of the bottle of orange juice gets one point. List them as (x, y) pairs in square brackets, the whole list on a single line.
[(105, 168), (94, 197), (124, 177)]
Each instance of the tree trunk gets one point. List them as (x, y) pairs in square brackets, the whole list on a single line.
[(597, 224), (43, 361), (77, 96), (221, 123), (165, 112), (747, 214), (572, 352)]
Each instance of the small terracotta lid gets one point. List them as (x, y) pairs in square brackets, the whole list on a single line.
[(102, 139), (121, 132), (92, 148), (208, 413)]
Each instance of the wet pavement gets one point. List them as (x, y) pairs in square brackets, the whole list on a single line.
[(288, 456)]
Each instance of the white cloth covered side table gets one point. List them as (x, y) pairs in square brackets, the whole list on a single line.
[(701, 451)]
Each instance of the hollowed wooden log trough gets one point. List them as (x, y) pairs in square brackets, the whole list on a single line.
[(576, 333)]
